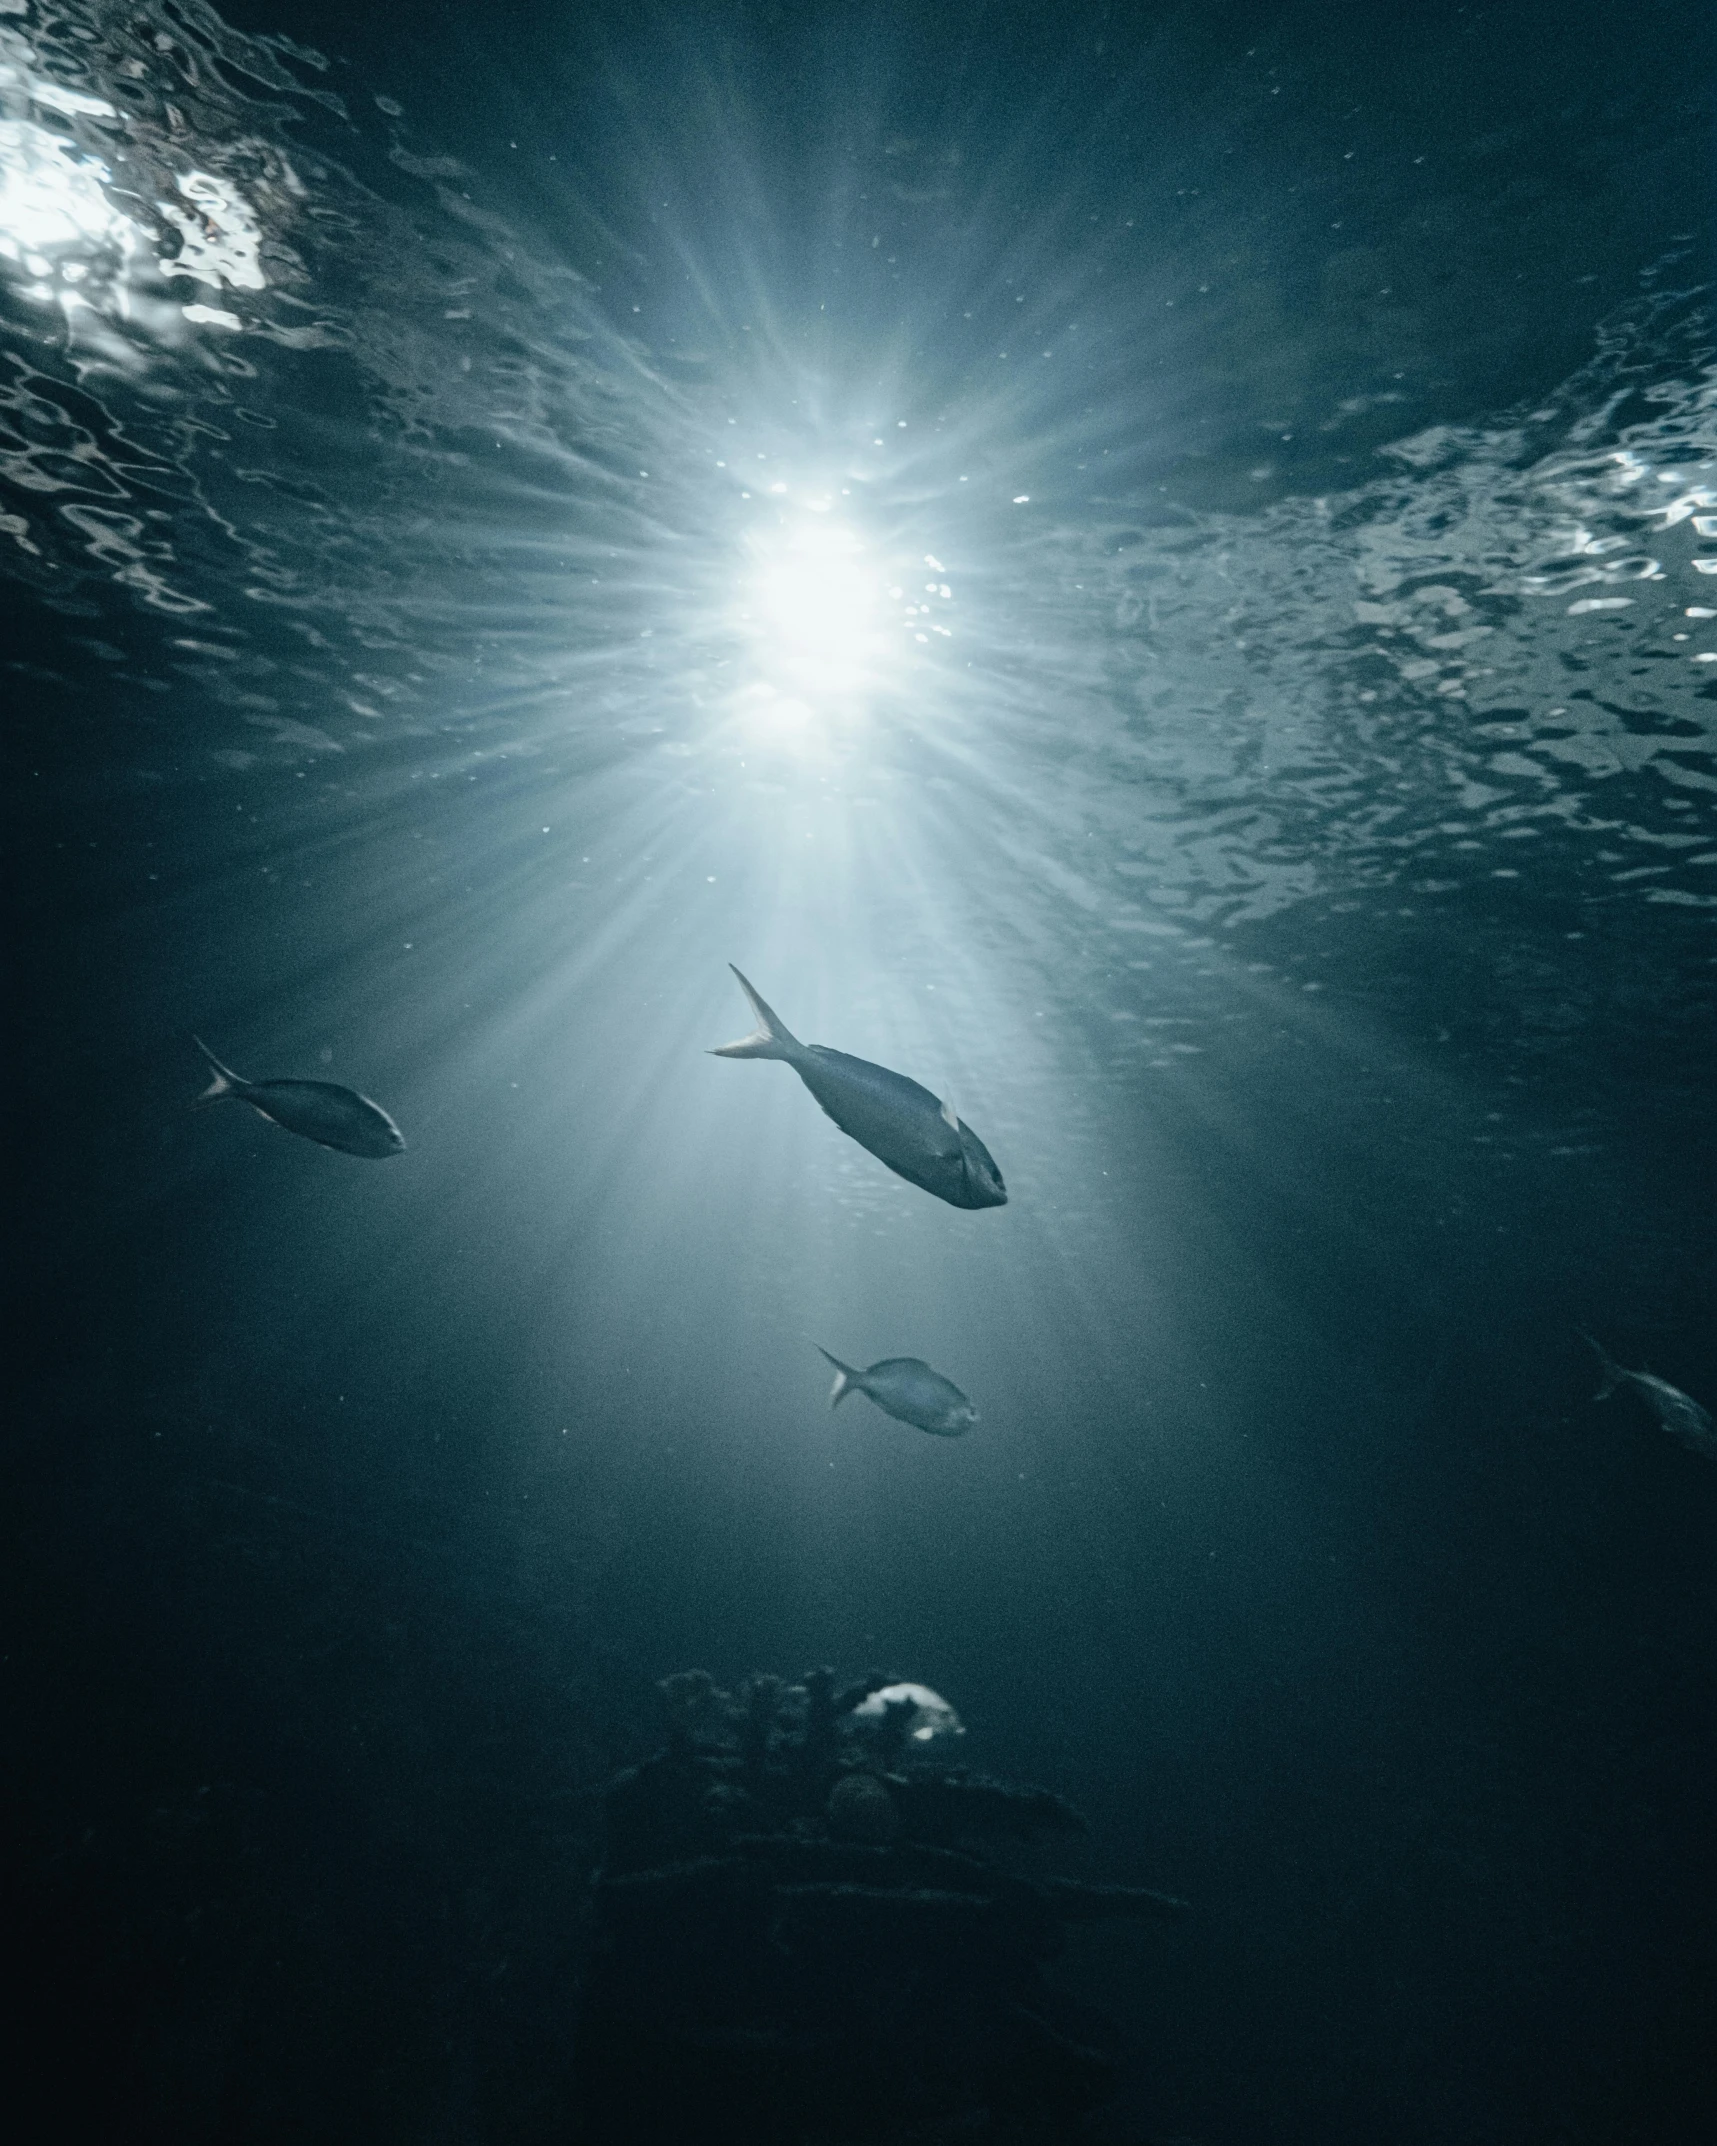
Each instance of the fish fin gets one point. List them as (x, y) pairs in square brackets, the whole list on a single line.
[(949, 1114), (225, 1082), (771, 1038), (1613, 1372), (847, 1380)]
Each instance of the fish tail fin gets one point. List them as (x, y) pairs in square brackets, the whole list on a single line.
[(771, 1038), (1613, 1372), (847, 1380), (225, 1082)]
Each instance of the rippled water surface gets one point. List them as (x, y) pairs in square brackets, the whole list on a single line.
[(1156, 570)]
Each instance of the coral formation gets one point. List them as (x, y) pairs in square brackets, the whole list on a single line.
[(805, 1933)]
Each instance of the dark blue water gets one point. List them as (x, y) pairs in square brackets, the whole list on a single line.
[(1153, 569)]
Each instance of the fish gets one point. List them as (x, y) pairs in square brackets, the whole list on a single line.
[(1678, 1413), (318, 1110), (903, 1125), (907, 1389)]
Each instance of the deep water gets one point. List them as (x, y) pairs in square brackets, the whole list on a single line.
[(1154, 569)]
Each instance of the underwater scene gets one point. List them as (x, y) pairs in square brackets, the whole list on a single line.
[(862, 1040)]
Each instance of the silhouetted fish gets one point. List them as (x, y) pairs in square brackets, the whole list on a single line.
[(1679, 1414), (901, 1123), (907, 1389), (333, 1117)]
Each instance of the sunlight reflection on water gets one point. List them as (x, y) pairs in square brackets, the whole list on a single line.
[(65, 237), (422, 486)]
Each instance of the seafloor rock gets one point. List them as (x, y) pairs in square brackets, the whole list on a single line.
[(802, 1936)]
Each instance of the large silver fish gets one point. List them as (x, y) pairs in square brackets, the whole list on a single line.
[(1679, 1414), (906, 1388), (901, 1123), (332, 1116)]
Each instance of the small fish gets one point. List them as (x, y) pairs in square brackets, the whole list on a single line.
[(907, 1390), (333, 1117), (901, 1123), (1679, 1414)]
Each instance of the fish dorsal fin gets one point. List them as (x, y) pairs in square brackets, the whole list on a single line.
[(948, 1113)]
